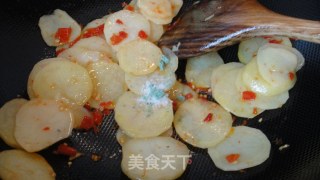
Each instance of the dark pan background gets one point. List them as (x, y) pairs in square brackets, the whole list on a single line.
[(296, 123)]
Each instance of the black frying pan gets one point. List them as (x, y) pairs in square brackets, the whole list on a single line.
[(296, 123)]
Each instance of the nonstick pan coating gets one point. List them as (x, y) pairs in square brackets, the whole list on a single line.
[(296, 123)]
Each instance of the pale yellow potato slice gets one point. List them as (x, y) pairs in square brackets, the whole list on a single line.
[(221, 70), (153, 153), (108, 82), (193, 123), (226, 93), (88, 50), (157, 11), (8, 120), (132, 24), (250, 145), (141, 117), (139, 57), (161, 80), (176, 6), (41, 123), (199, 69), (276, 62), (20, 165), (156, 31), (49, 24), (256, 83), (122, 137), (63, 80), (248, 49)]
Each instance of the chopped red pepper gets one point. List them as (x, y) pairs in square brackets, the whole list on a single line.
[(64, 149), (63, 35), (87, 106), (46, 128), (97, 117), (174, 105), (255, 111), (118, 38), (97, 31), (87, 123), (118, 21), (130, 8), (291, 76), (106, 112), (231, 158), (143, 35), (107, 105), (267, 37), (188, 96), (208, 118), (275, 41), (248, 95)]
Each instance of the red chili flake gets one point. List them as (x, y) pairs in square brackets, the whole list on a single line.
[(106, 112), (267, 37), (130, 8), (291, 76), (208, 118), (189, 161), (255, 111), (63, 35), (117, 38), (118, 21), (64, 149), (143, 35), (231, 158), (107, 105), (97, 117), (87, 106), (97, 31), (248, 95), (46, 128), (188, 96), (275, 41), (87, 123), (59, 51), (175, 105)]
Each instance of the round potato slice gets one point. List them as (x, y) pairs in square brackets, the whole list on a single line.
[(277, 63), (158, 157), (248, 49), (157, 11), (226, 93), (156, 31), (88, 50), (199, 69), (124, 22), (108, 82), (63, 80), (161, 80), (139, 57), (256, 83), (141, 118), (221, 70), (41, 123), (8, 120), (202, 123), (246, 147), (49, 25), (18, 164), (122, 137)]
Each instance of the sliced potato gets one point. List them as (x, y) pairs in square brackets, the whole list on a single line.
[(246, 147), (199, 69), (156, 31), (139, 57), (153, 153), (256, 83), (157, 11), (141, 118), (49, 25), (221, 70), (41, 123), (108, 82), (125, 21), (161, 80), (248, 49), (226, 93), (36, 68), (8, 120), (20, 165), (202, 123), (277, 62), (63, 80), (88, 50), (122, 137)]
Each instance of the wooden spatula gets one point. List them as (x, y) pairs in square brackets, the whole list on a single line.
[(212, 25)]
